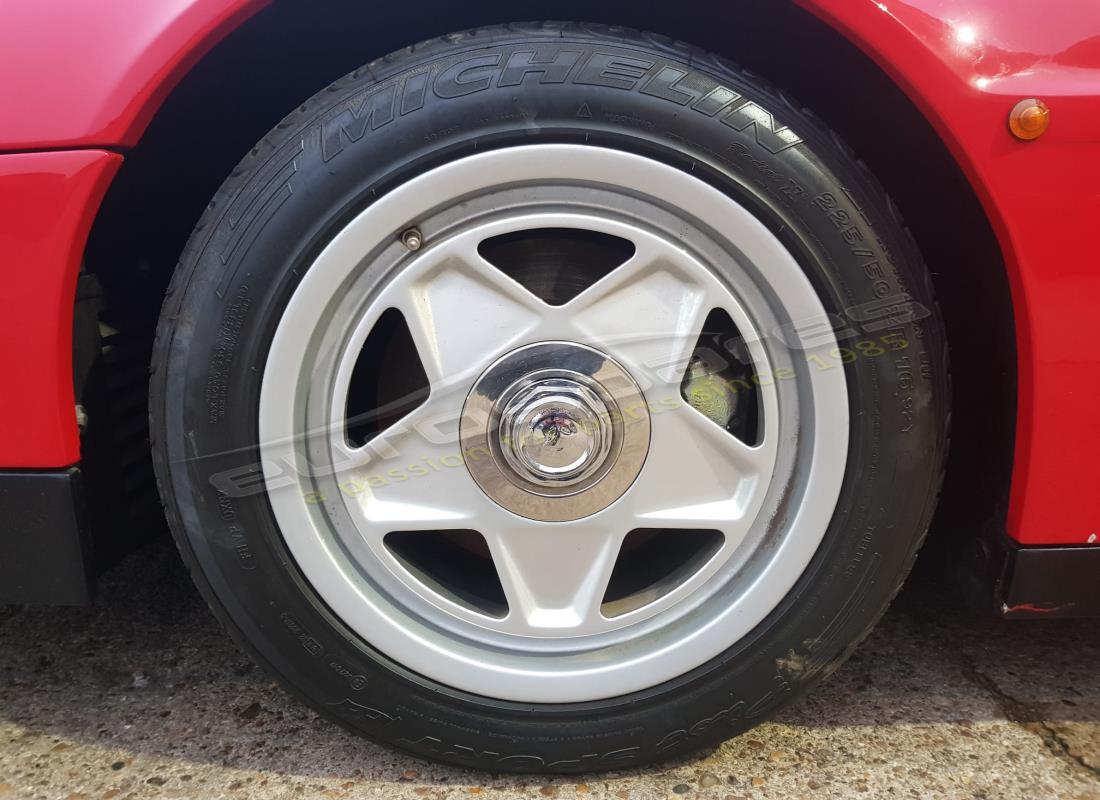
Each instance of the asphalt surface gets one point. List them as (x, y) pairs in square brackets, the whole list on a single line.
[(143, 696)]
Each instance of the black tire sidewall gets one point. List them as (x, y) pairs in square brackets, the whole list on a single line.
[(310, 176)]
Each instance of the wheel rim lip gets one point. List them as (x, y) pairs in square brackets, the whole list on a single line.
[(578, 676)]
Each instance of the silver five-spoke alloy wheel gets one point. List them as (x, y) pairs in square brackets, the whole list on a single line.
[(554, 431)]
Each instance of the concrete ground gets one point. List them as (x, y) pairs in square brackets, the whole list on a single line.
[(142, 696)]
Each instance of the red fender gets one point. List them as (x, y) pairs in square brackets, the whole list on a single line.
[(92, 75)]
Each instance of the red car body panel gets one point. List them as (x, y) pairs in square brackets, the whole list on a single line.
[(47, 205), (965, 63), (81, 76)]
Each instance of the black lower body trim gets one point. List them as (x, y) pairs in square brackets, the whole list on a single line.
[(1050, 582), (45, 544)]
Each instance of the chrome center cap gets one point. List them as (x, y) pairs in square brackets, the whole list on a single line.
[(555, 432)]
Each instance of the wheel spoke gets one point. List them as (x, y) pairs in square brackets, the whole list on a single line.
[(648, 314), (554, 576), (697, 475), (462, 312), (410, 477)]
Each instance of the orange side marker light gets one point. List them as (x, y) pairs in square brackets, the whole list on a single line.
[(1029, 119)]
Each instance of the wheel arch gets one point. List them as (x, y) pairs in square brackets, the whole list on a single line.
[(181, 158)]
